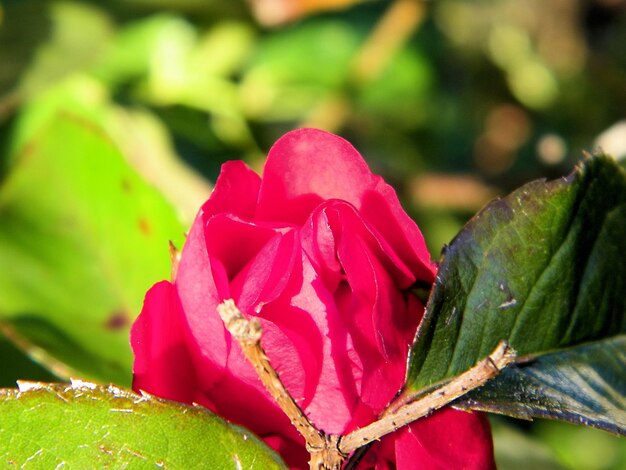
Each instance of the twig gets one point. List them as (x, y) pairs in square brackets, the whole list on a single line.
[(478, 375), (175, 255), (329, 451), (248, 334), (323, 448)]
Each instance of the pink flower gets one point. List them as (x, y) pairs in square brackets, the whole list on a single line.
[(322, 253)]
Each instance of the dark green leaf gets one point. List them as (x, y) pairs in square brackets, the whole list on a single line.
[(87, 426), (80, 34), (28, 27), (82, 237), (583, 385), (16, 365), (542, 268)]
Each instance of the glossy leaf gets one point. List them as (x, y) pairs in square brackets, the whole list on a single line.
[(84, 237), (541, 268), (583, 385), (87, 426)]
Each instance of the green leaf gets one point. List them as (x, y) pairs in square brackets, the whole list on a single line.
[(582, 385), (80, 35), (87, 426), (542, 268), (579, 447), (515, 449), (20, 38), (16, 365), (84, 237), (293, 69)]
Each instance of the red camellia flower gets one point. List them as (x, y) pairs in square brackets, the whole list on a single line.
[(320, 250)]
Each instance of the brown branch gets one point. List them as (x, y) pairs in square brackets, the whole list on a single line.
[(248, 334), (329, 451), (323, 448), (478, 375)]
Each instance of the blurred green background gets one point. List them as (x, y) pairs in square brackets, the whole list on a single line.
[(115, 117)]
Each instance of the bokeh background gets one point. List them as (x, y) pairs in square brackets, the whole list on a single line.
[(115, 117)]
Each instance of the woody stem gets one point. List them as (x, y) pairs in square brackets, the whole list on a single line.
[(475, 377), (328, 451), (323, 448)]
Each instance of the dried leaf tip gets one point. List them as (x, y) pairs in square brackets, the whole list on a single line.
[(175, 259)]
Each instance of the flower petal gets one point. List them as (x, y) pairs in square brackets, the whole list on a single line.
[(382, 210), (308, 166), (268, 273), (226, 382), (163, 365), (236, 191), (305, 167), (326, 377), (233, 242), (199, 297), (447, 440), (377, 316)]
